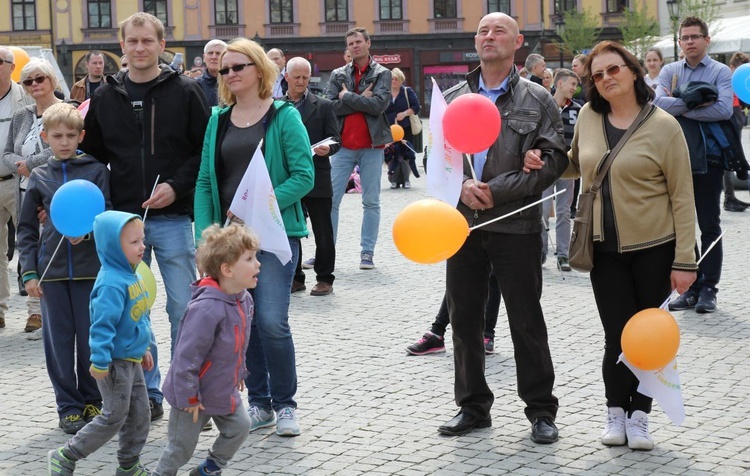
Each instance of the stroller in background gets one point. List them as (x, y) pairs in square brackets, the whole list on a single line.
[(401, 161)]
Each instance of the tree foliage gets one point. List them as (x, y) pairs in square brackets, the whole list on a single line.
[(638, 30), (581, 31)]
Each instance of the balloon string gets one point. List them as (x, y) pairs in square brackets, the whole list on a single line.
[(152, 194), (674, 292), (471, 167), (51, 259), (516, 211)]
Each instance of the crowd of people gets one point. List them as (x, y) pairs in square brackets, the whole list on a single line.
[(167, 149)]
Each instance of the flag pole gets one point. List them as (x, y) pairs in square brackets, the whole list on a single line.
[(516, 211)]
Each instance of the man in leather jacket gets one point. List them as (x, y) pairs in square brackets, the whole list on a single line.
[(530, 120), (361, 92)]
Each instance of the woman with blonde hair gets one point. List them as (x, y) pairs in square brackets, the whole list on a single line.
[(248, 115)]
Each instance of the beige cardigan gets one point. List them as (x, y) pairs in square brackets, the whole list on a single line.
[(650, 181)]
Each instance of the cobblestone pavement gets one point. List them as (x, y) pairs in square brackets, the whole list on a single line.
[(367, 408)]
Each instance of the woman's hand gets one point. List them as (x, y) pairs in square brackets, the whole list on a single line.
[(22, 168), (532, 160), (681, 280), (401, 116)]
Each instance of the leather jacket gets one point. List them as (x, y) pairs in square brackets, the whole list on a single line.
[(373, 107), (530, 120)]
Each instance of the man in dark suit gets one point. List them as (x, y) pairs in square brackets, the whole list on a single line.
[(320, 121)]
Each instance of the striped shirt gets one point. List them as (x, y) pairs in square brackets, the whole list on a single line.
[(569, 115)]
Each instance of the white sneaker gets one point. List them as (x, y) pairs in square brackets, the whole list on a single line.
[(636, 428), (287, 425), (260, 417), (35, 334), (614, 427)]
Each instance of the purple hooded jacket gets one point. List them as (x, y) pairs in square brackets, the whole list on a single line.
[(209, 357)]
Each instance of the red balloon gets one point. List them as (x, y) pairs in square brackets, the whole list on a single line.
[(471, 123), (84, 107)]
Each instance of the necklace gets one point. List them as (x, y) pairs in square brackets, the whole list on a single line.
[(254, 116)]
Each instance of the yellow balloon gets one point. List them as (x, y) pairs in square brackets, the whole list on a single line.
[(650, 339), (20, 58), (429, 231), (397, 132), (148, 278)]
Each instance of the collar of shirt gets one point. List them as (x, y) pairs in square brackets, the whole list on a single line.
[(301, 100), (705, 62), (493, 93)]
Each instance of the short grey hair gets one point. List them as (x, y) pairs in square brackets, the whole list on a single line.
[(532, 60), (41, 65), (213, 43), (7, 54), (298, 61)]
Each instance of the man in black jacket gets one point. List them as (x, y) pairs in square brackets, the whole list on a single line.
[(148, 123), (320, 122), (511, 247), (211, 55)]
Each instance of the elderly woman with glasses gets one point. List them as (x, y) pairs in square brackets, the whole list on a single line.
[(25, 148), (248, 115), (643, 219)]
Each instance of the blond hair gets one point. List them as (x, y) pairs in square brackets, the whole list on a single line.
[(266, 68), (141, 19), (398, 74), (62, 114), (223, 245)]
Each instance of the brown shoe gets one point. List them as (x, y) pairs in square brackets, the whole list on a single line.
[(321, 289), (2, 322), (297, 286), (33, 323)]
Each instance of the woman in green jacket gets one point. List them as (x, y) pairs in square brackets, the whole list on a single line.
[(233, 133)]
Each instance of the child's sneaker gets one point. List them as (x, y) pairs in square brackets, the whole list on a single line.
[(429, 344), (136, 470), (90, 411), (71, 424), (261, 418), (287, 423), (201, 470), (58, 464)]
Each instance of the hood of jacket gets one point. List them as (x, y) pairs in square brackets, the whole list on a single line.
[(107, 229)]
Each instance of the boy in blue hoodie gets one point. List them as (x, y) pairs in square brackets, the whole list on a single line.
[(119, 338), (71, 270), (208, 364)]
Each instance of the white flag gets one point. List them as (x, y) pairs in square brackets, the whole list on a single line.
[(662, 385), (255, 204), (445, 170)]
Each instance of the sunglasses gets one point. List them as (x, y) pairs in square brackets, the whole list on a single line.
[(37, 80), (236, 68), (611, 71), (2, 61)]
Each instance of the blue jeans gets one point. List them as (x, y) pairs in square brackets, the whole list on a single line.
[(370, 163), (562, 216), (170, 238), (270, 356)]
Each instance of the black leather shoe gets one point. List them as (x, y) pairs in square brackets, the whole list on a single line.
[(733, 206), (464, 423), (544, 431), (744, 204)]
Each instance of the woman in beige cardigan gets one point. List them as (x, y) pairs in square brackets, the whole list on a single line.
[(644, 219)]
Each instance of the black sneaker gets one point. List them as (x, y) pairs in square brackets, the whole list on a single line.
[(429, 344), (706, 300), (489, 345), (687, 300), (70, 424), (563, 264), (157, 410)]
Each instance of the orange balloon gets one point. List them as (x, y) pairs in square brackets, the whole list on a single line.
[(20, 58), (650, 339), (397, 132), (429, 231)]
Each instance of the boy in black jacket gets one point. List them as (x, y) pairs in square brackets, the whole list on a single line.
[(72, 270)]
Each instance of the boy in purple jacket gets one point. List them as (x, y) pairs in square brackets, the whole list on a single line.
[(208, 365)]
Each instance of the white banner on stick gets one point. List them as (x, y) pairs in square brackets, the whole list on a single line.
[(445, 170), (662, 385)]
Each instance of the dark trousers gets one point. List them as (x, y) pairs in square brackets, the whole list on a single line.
[(65, 307), (516, 261), (319, 211), (707, 190), (624, 284), (491, 310)]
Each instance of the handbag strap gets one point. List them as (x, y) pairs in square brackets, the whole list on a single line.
[(597, 183), (406, 93)]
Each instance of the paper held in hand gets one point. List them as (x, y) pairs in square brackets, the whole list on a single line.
[(326, 141)]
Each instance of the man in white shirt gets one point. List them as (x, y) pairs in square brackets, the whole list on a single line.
[(280, 85)]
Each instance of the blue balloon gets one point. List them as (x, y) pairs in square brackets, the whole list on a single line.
[(741, 82), (74, 207)]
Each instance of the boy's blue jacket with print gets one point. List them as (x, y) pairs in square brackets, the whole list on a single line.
[(120, 325), (209, 358)]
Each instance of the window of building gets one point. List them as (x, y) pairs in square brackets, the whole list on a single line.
[(498, 6), (157, 8), (24, 15), (226, 12), (281, 11), (445, 9), (616, 6), (391, 10), (100, 14), (337, 10)]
